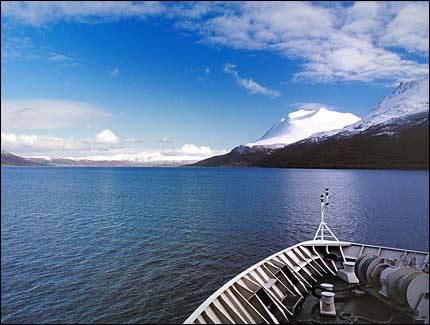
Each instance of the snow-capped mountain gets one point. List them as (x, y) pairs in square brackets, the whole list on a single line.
[(408, 98), (303, 123), (394, 134)]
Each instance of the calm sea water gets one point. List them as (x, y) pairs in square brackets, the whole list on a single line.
[(126, 245)]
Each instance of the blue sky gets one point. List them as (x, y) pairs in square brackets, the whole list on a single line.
[(192, 79)]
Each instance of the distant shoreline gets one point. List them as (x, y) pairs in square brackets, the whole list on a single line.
[(235, 167)]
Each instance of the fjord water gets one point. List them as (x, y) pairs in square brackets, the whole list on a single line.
[(126, 245)]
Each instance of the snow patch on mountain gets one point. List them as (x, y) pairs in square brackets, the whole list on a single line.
[(406, 102), (408, 98), (303, 123)]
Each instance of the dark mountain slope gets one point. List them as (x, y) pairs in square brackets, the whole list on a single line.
[(8, 159), (241, 156), (390, 146)]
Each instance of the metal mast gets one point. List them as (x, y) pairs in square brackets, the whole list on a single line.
[(319, 235)]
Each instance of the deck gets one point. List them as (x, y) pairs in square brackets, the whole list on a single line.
[(350, 309)]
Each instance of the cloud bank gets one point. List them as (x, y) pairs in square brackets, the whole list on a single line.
[(332, 42), (188, 153), (39, 13), (49, 114), (32, 142), (105, 145)]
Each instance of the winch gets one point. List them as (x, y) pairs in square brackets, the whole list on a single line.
[(400, 282)]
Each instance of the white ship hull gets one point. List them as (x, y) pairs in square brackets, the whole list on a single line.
[(283, 280)]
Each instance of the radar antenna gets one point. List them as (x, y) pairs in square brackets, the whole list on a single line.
[(319, 235)]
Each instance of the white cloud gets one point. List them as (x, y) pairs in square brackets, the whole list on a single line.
[(249, 84), (32, 145), (38, 13), (191, 149), (188, 153), (106, 137), (63, 60), (49, 114), (340, 42), (208, 71), (333, 43), (253, 25), (409, 29), (164, 140), (115, 72), (15, 46), (32, 142), (58, 57), (105, 141), (352, 58), (364, 17), (134, 140)]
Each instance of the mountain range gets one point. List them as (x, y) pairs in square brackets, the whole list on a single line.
[(8, 159), (394, 135)]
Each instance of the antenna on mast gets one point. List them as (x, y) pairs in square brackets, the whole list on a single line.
[(319, 235)]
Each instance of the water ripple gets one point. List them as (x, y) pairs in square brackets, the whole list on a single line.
[(136, 245)]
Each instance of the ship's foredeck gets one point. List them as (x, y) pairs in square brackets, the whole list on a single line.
[(280, 288), (350, 309), (325, 281)]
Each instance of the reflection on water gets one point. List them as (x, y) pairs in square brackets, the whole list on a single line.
[(131, 245)]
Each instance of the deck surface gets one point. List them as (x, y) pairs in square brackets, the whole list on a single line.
[(372, 309)]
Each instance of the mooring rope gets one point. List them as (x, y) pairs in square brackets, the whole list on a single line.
[(353, 182)]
